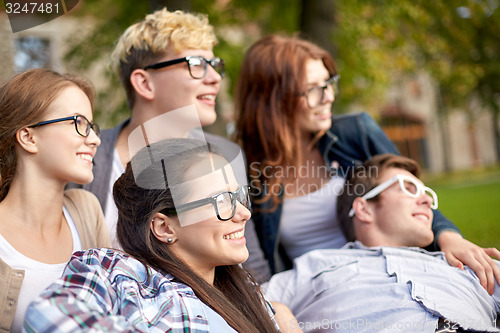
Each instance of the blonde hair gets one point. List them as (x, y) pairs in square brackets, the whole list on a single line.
[(148, 40)]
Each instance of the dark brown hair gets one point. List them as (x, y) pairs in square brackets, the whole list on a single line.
[(268, 93), (363, 179), (24, 100), (141, 194)]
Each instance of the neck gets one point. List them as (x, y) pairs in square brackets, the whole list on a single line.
[(34, 203), (208, 276), (160, 123), (372, 239), (205, 272), (149, 127)]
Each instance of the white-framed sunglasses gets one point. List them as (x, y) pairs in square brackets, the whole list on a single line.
[(408, 185)]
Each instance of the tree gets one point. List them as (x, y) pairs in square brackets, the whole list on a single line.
[(317, 22), (376, 43)]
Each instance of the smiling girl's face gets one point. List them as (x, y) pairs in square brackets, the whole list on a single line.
[(208, 242), (63, 154)]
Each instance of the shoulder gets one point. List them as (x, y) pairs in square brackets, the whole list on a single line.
[(107, 259), (125, 272), (353, 126), (107, 263), (110, 136), (348, 127), (85, 210), (230, 150), (222, 144), (114, 131), (80, 198), (354, 119)]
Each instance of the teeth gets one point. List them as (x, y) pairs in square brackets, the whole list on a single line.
[(86, 157), (209, 97), (235, 235), (422, 217)]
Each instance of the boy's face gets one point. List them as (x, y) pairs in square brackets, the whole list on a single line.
[(403, 220), (176, 88)]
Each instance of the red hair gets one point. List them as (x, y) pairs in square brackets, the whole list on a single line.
[(268, 92)]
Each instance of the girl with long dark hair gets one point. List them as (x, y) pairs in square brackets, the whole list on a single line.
[(181, 224)]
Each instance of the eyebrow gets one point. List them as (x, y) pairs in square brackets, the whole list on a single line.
[(316, 83)]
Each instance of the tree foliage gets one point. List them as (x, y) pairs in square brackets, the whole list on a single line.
[(376, 43)]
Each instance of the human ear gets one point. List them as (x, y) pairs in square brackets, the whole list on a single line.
[(164, 228), (26, 139), (142, 83), (363, 210)]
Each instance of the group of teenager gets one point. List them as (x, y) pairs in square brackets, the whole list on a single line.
[(156, 226)]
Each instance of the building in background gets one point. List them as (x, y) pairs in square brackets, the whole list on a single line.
[(439, 141)]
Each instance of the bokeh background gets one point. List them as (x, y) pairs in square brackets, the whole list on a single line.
[(427, 71)]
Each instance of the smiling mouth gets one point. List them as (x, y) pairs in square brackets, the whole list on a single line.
[(422, 217), (209, 97), (235, 235), (323, 113), (86, 157)]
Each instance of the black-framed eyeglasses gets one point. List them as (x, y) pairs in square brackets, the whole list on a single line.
[(82, 124), (224, 203), (197, 65), (316, 95)]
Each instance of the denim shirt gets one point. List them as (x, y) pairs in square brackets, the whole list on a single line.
[(352, 139), (382, 289)]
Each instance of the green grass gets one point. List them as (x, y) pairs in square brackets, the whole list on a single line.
[(471, 199)]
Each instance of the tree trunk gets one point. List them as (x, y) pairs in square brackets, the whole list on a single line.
[(317, 22), (6, 49)]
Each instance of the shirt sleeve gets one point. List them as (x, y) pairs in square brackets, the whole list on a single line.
[(281, 288), (82, 299)]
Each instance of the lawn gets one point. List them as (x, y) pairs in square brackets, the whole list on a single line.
[(471, 199)]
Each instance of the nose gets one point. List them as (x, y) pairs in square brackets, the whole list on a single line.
[(242, 213), (328, 95), (212, 75), (93, 139), (425, 199)]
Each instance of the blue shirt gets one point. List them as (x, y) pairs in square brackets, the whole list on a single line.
[(359, 289), (106, 291)]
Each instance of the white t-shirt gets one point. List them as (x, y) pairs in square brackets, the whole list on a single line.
[(37, 275), (309, 222), (111, 212)]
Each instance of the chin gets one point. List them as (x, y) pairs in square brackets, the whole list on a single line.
[(426, 241), (83, 180), (322, 126), (208, 118), (240, 259), (326, 124)]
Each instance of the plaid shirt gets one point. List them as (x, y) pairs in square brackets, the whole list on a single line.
[(106, 291)]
